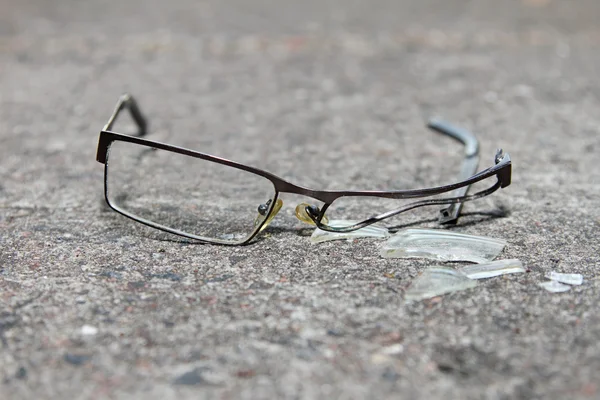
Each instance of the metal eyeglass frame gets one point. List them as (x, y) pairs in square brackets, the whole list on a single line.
[(501, 170)]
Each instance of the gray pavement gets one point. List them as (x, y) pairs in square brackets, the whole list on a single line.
[(330, 94)]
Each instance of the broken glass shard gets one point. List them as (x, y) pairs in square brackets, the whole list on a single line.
[(441, 245), (494, 268), (554, 286), (370, 231), (436, 281), (571, 279)]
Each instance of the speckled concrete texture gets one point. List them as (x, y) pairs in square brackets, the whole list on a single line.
[(329, 94)]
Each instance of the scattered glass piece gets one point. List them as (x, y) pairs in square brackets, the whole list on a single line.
[(436, 281), (441, 245), (370, 231), (570, 279), (494, 268), (554, 286)]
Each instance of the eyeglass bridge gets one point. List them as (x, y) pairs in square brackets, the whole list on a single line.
[(305, 212)]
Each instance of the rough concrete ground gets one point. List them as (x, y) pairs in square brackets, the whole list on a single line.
[(329, 94)]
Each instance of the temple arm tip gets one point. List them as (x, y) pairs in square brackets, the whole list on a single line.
[(140, 120), (127, 101)]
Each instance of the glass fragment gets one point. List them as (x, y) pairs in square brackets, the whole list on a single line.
[(370, 231), (436, 281), (554, 286), (494, 268), (570, 279), (441, 245)]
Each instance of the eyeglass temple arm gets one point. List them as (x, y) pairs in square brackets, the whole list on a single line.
[(450, 214), (126, 101)]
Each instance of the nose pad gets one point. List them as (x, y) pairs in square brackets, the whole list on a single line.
[(308, 214), (263, 209)]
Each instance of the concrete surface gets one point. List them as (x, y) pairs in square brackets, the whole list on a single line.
[(330, 94)]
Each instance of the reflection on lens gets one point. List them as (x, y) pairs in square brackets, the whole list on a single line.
[(196, 197)]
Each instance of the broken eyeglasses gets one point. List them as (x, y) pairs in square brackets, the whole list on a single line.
[(215, 200)]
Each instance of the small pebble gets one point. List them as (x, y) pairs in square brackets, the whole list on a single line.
[(189, 379), (88, 330), (390, 375), (21, 373), (197, 376), (393, 349), (76, 359)]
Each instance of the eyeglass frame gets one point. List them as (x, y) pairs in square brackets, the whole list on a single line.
[(502, 169)]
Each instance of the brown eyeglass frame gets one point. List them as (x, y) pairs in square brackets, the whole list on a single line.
[(501, 169)]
